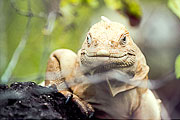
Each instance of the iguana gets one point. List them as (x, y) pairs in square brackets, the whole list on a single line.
[(109, 44)]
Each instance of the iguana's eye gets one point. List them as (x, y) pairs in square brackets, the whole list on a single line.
[(123, 39), (89, 39)]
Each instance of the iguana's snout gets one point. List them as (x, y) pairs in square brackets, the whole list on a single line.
[(103, 53)]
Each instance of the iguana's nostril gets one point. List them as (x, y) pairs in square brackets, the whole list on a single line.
[(95, 43), (113, 43)]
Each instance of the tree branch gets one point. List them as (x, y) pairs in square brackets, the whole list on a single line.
[(27, 14), (12, 64), (47, 32)]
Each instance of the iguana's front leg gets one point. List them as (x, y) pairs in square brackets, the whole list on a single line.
[(61, 71), (61, 68)]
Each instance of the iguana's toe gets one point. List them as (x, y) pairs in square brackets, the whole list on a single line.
[(85, 107)]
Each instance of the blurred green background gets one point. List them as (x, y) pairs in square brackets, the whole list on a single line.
[(31, 29)]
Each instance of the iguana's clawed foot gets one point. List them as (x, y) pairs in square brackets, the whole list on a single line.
[(85, 107)]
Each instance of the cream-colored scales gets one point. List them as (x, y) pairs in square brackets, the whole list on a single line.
[(109, 45)]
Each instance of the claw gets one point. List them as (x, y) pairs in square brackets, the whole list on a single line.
[(85, 108), (91, 115), (69, 97)]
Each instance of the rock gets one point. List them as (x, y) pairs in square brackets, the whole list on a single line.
[(27, 100)]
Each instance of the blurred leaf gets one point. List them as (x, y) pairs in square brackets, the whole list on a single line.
[(93, 3), (133, 10), (63, 3), (177, 67), (113, 4), (67, 2), (174, 5), (76, 1), (133, 7)]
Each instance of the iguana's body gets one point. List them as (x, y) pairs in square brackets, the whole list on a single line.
[(110, 44)]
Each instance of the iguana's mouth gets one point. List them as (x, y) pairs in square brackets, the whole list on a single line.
[(104, 56), (108, 61)]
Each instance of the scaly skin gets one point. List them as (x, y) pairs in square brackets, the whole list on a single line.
[(109, 45)]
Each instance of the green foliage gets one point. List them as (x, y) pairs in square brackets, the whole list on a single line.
[(133, 7), (114, 4), (174, 5), (130, 8), (177, 67), (93, 3)]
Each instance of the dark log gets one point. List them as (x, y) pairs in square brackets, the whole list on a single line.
[(27, 100)]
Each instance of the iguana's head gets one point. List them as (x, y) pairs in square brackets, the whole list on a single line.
[(108, 43)]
